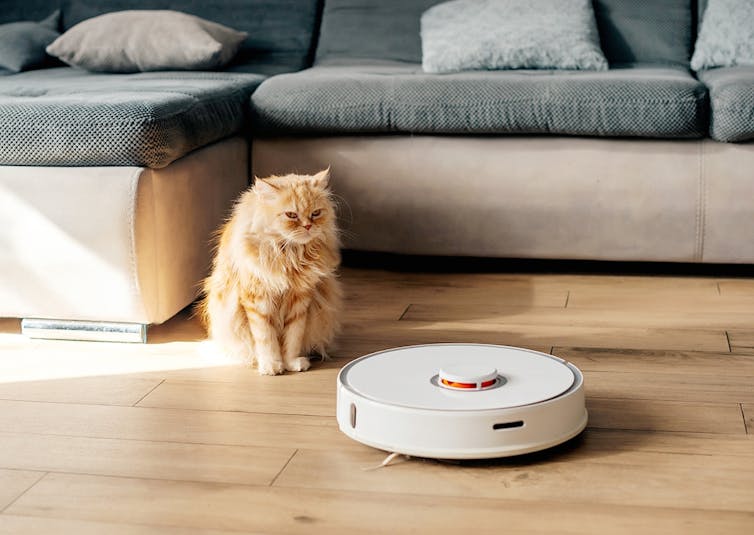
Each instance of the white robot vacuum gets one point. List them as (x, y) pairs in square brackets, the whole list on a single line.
[(461, 401)]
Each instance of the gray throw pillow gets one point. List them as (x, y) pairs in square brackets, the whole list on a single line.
[(147, 40), (510, 34), (726, 38), (22, 44)]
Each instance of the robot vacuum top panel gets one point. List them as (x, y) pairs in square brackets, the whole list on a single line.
[(458, 377)]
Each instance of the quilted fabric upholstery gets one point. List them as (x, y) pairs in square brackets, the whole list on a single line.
[(395, 97), (632, 31), (731, 92), (68, 117)]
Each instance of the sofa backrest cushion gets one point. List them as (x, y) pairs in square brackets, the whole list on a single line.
[(631, 31), (281, 32), (26, 10), (646, 31)]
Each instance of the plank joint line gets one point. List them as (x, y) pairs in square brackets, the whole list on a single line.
[(150, 391), (272, 483), (27, 489)]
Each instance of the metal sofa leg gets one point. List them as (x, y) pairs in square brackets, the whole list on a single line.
[(98, 331)]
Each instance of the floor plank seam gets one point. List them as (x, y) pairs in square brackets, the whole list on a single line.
[(743, 416), (9, 505), (669, 432), (157, 479), (238, 411), (179, 527), (182, 409), (274, 479), (147, 441), (150, 391), (680, 401), (77, 403), (625, 351)]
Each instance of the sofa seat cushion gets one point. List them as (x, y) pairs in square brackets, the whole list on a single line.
[(390, 97), (731, 91), (68, 117)]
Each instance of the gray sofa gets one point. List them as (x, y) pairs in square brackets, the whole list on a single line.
[(110, 185), (613, 165)]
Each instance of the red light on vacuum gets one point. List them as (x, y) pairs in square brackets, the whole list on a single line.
[(467, 377), (456, 384)]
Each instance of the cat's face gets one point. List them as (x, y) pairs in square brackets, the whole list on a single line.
[(297, 208)]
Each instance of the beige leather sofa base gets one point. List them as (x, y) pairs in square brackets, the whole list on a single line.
[(120, 244), (534, 197)]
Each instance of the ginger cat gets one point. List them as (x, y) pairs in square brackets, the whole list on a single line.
[(273, 296)]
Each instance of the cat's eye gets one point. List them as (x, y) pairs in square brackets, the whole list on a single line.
[(292, 215), (316, 213)]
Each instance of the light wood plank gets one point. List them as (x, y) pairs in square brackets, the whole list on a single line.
[(711, 318), (652, 385), (661, 362), (13, 483), (665, 397), (737, 291), (268, 399), (448, 288), (648, 293), (172, 425), (281, 510), (607, 441), (114, 390), (44, 360), (28, 525), (319, 374), (10, 326), (363, 338), (646, 478), (673, 416), (742, 340), (147, 459), (544, 335)]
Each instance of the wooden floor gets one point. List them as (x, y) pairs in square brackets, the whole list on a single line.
[(163, 438)]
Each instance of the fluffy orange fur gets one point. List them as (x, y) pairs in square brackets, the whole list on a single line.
[(273, 296)]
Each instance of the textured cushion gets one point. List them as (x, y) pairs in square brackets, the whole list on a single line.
[(384, 29), (22, 44), (144, 40), (651, 102), (731, 91), (280, 32), (632, 31), (65, 116), (726, 38), (646, 31), (510, 34)]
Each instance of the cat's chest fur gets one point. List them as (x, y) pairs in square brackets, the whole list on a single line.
[(291, 268)]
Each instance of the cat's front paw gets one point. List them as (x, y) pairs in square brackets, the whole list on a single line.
[(300, 364), (270, 367)]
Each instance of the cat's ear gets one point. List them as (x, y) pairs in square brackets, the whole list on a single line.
[(321, 179), (264, 188)]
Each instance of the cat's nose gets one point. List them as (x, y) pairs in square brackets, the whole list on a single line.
[(308, 226)]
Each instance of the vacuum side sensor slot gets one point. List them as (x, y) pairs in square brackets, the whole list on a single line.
[(508, 425)]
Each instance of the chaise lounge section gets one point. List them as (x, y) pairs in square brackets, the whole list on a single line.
[(111, 185)]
